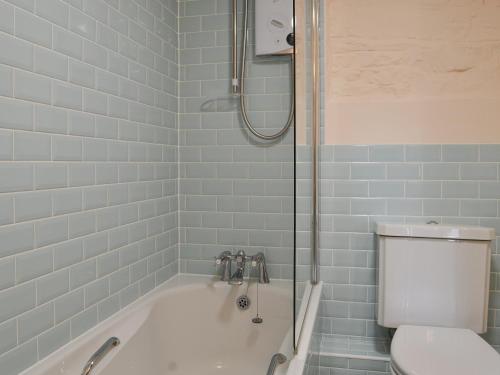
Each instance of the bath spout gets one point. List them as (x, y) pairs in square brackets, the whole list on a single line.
[(237, 278)]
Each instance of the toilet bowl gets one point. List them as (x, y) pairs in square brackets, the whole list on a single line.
[(420, 350)]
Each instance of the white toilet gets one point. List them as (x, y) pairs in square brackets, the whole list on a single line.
[(433, 285)]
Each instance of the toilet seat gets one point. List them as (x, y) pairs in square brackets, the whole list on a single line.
[(418, 350)]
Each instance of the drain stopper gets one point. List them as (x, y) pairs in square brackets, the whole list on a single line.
[(243, 302)]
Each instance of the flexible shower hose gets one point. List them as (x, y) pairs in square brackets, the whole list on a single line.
[(243, 105)]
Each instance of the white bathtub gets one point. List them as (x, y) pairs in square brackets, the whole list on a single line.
[(190, 325)]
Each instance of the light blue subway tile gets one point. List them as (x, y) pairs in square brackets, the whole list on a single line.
[(459, 221), (423, 189), (82, 273), (489, 190), (351, 189), (95, 244), (491, 223), (362, 241), (69, 305), (387, 153), (334, 171), (15, 301), (119, 280), (403, 171), (441, 171), (51, 231), (17, 360), (16, 177), (407, 207), (108, 307), (265, 238), (349, 258), (16, 238), (460, 189), (81, 224), (357, 224), (6, 144), (368, 171), (35, 146), (334, 309), (96, 291), (334, 206), (460, 153), (478, 208), (34, 264), (350, 293), (199, 7), (53, 339), (479, 171), (7, 273), (52, 286), (32, 206), (362, 276), (35, 322), (368, 206), (423, 153), (84, 321), (68, 253), (8, 335), (441, 207), (361, 311), (350, 153), (489, 153), (49, 176), (386, 189), (128, 255)]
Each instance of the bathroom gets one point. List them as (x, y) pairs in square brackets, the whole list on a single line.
[(249, 186)]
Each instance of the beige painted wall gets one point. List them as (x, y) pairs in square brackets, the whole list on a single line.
[(412, 71)]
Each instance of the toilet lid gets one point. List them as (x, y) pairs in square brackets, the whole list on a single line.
[(437, 351)]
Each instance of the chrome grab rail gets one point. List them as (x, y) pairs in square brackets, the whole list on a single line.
[(278, 359), (100, 354)]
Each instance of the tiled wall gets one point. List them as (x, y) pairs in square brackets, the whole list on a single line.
[(88, 165), (235, 192), (362, 185)]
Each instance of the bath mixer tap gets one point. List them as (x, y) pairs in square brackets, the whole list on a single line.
[(226, 258)]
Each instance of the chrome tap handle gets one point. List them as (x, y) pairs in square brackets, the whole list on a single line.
[(224, 259), (260, 261)]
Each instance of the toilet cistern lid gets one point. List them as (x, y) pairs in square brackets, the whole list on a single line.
[(454, 232), (419, 350)]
